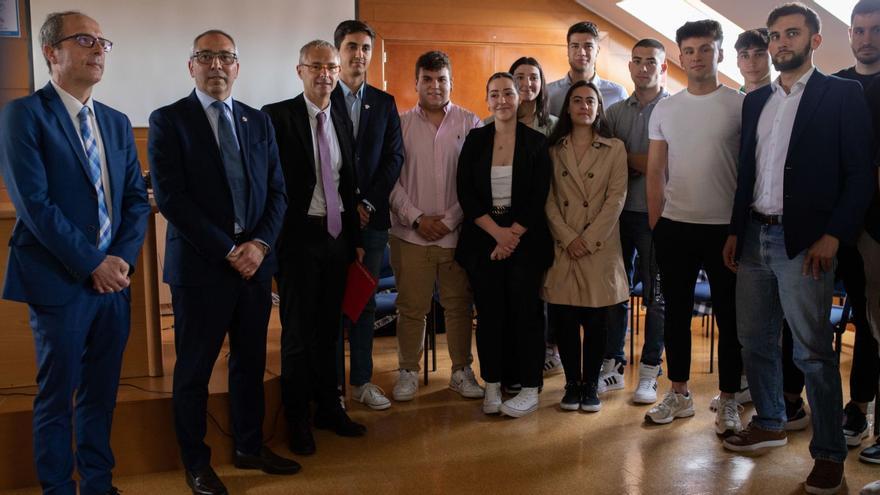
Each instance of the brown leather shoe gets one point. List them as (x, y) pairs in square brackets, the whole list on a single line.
[(826, 478), (753, 438)]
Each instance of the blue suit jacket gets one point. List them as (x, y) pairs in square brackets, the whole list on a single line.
[(191, 190), (378, 150), (828, 179), (52, 251)]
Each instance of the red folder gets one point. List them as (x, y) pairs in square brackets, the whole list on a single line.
[(359, 288)]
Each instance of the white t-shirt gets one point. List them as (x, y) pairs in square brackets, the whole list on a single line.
[(702, 134)]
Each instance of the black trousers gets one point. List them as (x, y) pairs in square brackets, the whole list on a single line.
[(682, 248), (510, 343), (202, 317), (581, 361), (311, 285)]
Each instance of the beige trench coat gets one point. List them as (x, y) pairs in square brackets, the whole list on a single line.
[(586, 200)]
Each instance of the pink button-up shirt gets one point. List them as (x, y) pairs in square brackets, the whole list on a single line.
[(427, 181)]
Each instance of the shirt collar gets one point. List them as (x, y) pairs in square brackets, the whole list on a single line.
[(634, 101), (446, 108), (206, 100), (348, 92), (595, 80), (796, 87), (314, 110), (71, 104)]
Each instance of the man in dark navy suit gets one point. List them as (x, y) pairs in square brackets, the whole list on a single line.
[(378, 159), (72, 172), (218, 181), (804, 184)]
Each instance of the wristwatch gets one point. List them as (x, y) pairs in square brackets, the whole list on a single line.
[(369, 207), (416, 222)]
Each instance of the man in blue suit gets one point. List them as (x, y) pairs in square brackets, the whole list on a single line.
[(804, 184), (378, 159), (217, 180), (72, 172)]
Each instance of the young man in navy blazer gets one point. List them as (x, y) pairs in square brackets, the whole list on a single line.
[(217, 180), (804, 184), (71, 169), (378, 159)]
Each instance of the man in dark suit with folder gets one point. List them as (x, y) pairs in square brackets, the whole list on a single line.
[(319, 241), (218, 181)]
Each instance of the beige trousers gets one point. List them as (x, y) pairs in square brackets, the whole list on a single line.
[(416, 268)]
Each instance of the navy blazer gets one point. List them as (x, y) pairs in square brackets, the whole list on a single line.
[(53, 248), (192, 192), (531, 184), (828, 179), (378, 150), (294, 133)]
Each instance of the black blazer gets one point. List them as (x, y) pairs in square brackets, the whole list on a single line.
[(378, 150), (294, 136), (531, 184), (828, 178), (189, 182)]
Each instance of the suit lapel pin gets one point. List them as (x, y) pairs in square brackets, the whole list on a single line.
[(243, 118), (366, 107)]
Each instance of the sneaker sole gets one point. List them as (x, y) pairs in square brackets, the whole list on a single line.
[(492, 410), (666, 421), (855, 441), (797, 424), (466, 395), (644, 399), (403, 397), (815, 490), (870, 460), (756, 446), (517, 413), (376, 407), (595, 408), (569, 407)]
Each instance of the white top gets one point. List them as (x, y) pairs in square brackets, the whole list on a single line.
[(502, 180), (318, 206), (702, 133), (73, 107), (774, 134)]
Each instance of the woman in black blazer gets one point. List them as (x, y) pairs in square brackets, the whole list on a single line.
[(505, 245)]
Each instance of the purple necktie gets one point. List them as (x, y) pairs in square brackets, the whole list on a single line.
[(331, 196)]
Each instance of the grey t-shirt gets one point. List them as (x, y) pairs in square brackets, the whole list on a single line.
[(629, 123), (611, 92)]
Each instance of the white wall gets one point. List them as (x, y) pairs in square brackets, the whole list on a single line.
[(152, 40)]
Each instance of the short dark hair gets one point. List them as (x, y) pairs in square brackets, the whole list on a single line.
[(433, 60), (707, 28), (753, 38), (864, 7), (211, 32), (582, 27), (349, 27), (793, 8), (565, 125), (650, 43), (542, 102), (52, 29)]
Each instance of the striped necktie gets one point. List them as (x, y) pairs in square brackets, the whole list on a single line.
[(94, 168)]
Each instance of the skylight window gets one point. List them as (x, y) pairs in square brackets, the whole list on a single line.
[(842, 9)]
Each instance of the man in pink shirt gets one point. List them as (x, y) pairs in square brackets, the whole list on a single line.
[(425, 216)]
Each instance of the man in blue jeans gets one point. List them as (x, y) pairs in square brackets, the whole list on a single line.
[(629, 122), (378, 158), (804, 184)]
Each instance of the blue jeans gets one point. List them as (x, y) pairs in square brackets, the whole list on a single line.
[(635, 236), (769, 285), (360, 333)]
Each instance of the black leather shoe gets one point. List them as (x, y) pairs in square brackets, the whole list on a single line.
[(205, 482), (301, 440), (267, 461), (340, 423)]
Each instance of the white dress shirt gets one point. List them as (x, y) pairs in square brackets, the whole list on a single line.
[(73, 107), (774, 135), (318, 206), (213, 114)]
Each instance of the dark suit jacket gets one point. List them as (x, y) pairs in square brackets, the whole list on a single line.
[(291, 121), (828, 179), (53, 248), (378, 150), (531, 184), (191, 189)]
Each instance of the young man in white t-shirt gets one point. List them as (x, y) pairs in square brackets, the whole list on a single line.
[(691, 179)]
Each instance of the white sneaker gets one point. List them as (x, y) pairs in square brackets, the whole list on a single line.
[(646, 392), (610, 377), (492, 401), (672, 406), (742, 396), (407, 386), (524, 403), (872, 488), (552, 362), (371, 395), (464, 382), (727, 420)]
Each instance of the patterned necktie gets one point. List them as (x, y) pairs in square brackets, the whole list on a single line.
[(331, 196), (94, 159), (232, 163)]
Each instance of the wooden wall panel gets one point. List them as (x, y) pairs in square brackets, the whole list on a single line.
[(15, 68)]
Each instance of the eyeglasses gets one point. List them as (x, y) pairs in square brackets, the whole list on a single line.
[(87, 41), (207, 58), (317, 68)]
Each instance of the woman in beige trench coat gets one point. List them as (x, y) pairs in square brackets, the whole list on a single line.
[(587, 192)]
